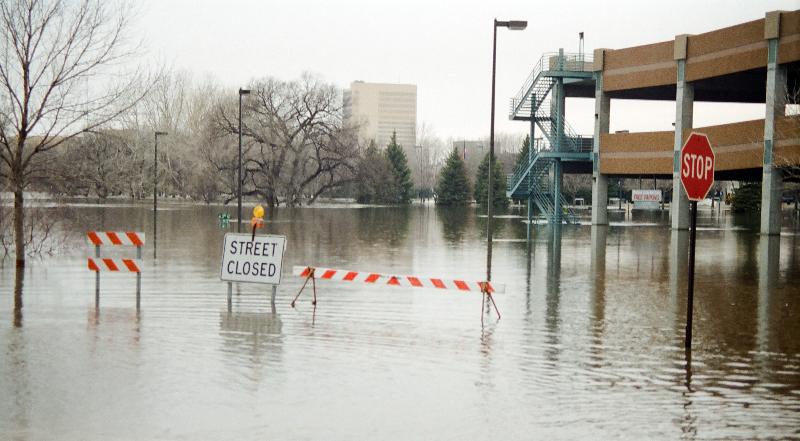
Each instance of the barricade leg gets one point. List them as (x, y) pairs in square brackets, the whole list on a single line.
[(314, 290), (97, 277), (311, 277), (138, 279), (485, 291), (491, 297)]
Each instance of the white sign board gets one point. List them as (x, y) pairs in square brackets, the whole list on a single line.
[(256, 261), (646, 195), (646, 199)]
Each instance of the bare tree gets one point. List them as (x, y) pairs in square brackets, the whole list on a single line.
[(298, 148), (51, 51), (169, 107), (98, 163), (429, 157)]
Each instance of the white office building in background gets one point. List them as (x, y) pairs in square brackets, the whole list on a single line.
[(382, 108)]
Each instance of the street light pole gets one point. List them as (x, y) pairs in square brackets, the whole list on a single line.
[(239, 180), (155, 191), (514, 25)]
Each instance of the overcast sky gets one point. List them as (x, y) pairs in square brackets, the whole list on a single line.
[(444, 47)]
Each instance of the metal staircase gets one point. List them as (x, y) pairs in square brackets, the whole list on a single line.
[(533, 103), (535, 181)]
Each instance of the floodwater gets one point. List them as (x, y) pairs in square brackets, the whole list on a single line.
[(589, 346)]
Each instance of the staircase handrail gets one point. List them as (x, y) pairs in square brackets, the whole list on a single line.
[(521, 169), (548, 62), (529, 81), (569, 133)]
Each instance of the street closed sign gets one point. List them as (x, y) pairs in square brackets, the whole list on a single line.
[(697, 166), (256, 261)]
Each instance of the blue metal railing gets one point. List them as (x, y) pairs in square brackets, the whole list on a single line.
[(549, 62)]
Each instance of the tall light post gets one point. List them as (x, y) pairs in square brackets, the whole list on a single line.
[(514, 25), (155, 191), (239, 181)]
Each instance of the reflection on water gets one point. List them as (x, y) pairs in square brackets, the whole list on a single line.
[(19, 280), (454, 221), (553, 296), (383, 224), (768, 268), (590, 344), (18, 392), (599, 236), (255, 336)]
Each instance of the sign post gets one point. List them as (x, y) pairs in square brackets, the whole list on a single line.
[(697, 177), (252, 259)]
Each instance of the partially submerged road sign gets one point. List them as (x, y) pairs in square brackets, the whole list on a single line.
[(697, 177), (697, 166), (257, 261)]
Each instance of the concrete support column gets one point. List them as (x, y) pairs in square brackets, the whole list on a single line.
[(684, 108), (772, 177), (559, 101), (530, 217), (558, 184), (531, 144), (602, 113)]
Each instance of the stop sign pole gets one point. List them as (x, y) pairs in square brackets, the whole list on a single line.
[(697, 177)]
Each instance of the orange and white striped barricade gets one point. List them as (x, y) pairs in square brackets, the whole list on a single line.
[(116, 238), (486, 288)]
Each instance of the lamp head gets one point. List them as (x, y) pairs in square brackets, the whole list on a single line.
[(514, 25)]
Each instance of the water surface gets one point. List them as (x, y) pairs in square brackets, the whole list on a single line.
[(590, 344)]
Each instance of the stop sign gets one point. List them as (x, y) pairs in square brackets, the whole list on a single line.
[(697, 166)]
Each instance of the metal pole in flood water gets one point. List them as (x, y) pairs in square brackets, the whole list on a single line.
[(690, 296), (491, 163), (97, 277), (155, 195), (155, 191), (138, 278)]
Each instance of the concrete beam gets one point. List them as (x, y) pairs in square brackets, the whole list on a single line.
[(772, 25), (680, 46), (599, 60)]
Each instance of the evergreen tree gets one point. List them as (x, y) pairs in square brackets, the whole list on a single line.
[(499, 188), (522, 156), (374, 183), (403, 187), (747, 198), (452, 187)]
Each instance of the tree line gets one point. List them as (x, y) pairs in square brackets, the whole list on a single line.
[(296, 147), (78, 117)]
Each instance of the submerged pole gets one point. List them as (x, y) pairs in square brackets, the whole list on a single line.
[(690, 295)]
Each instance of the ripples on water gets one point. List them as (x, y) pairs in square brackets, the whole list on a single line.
[(590, 345)]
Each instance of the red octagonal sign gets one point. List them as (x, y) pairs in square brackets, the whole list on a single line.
[(697, 166)]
